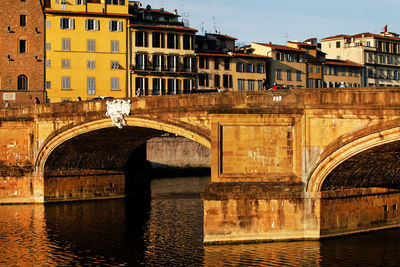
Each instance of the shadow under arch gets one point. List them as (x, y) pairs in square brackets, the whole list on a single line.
[(52, 143), (348, 146)]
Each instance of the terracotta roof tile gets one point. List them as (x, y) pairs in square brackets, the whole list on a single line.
[(281, 47), (342, 63), (166, 27)]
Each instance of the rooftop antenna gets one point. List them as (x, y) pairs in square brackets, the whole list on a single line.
[(185, 16), (202, 28), (162, 3), (286, 36), (214, 18)]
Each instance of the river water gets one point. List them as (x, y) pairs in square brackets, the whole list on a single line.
[(165, 230)]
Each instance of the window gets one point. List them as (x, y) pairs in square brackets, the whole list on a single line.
[(22, 46), (80, 2), (115, 26), (260, 68), (172, 86), (249, 67), (370, 57), (48, 24), (56, 2), (227, 81), (226, 64), (141, 39), (203, 79), (187, 64), (91, 64), (158, 39), (22, 82), (217, 80), (157, 86), (203, 62), (395, 75), (309, 69), (240, 85), (289, 75), (67, 23), (187, 85), (22, 20), (279, 74), (91, 85), (92, 25), (171, 61), (187, 42), (250, 84), (65, 63), (338, 44), (260, 85), (48, 84), (114, 65), (48, 63), (389, 74), (114, 46), (48, 46), (91, 45), (216, 63), (66, 44), (239, 67), (65, 83), (141, 61), (173, 41), (298, 75), (368, 43), (158, 62), (114, 83), (317, 70), (355, 73)]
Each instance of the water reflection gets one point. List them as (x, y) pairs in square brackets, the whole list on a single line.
[(164, 230)]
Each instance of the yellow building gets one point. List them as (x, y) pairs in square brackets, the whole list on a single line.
[(86, 51), (162, 53)]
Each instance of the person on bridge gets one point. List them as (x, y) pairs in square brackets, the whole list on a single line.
[(37, 101)]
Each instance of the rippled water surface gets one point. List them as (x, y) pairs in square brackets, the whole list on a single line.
[(165, 230)]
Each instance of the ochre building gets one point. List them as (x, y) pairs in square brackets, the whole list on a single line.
[(86, 49), (161, 52)]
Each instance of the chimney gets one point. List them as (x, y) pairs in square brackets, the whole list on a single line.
[(162, 10), (175, 12), (385, 29)]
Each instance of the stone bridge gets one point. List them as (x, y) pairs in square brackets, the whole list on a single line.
[(285, 165)]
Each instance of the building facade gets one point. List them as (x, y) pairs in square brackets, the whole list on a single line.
[(22, 52), (222, 67), (161, 53), (378, 53), (341, 73), (86, 49), (286, 66)]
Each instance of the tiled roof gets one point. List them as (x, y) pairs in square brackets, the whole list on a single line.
[(166, 27), (368, 34), (342, 63), (281, 47), (223, 36), (232, 55), (339, 36), (302, 44)]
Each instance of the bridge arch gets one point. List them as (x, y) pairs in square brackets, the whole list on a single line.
[(349, 146), (180, 129)]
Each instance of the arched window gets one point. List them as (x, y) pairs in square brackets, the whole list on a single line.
[(22, 82)]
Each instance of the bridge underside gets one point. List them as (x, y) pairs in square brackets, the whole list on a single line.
[(105, 163), (376, 167)]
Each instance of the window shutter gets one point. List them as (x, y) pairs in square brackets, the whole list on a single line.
[(83, 2), (97, 24), (86, 24), (61, 23), (119, 26), (110, 25), (71, 24)]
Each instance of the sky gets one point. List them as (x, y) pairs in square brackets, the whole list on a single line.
[(278, 21)]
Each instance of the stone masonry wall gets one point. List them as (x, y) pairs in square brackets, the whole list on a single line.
[(177, 151)]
